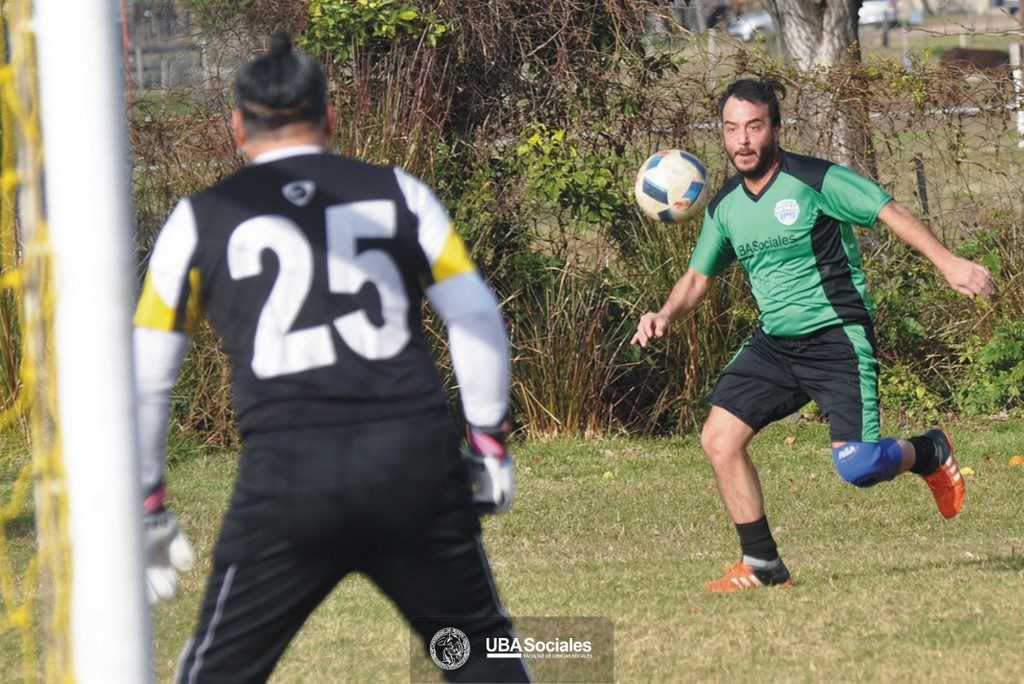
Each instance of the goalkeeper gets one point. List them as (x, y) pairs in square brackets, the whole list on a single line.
[(788, 220), (312, 268)]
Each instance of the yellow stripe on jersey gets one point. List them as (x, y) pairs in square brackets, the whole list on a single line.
[(153, 312), (453, 258), (194, 307)]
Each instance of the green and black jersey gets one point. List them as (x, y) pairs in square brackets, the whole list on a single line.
[(795, 239)]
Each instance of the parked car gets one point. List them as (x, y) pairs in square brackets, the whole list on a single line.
[(1011, 6), (878, 13), (749, 26)]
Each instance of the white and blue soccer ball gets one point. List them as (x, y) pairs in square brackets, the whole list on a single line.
[(671, 186)]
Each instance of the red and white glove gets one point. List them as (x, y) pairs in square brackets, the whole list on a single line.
[(167, 549), (491, 472)]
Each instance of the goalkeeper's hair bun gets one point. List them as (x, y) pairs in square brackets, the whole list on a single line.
[(280, 44), (281, 86)]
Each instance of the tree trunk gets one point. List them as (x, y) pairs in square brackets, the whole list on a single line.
[(819, 34), (815, 32)]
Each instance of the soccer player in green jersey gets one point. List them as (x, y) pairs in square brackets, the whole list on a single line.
[(788, 219)]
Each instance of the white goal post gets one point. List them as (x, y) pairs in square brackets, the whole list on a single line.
[(88, 211)]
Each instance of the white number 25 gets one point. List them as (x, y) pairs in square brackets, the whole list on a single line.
[(279, 350)]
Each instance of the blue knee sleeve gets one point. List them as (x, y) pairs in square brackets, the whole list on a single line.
[(868, 463)]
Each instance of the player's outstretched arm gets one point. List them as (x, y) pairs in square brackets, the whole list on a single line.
[(686, 294), (963, 275)]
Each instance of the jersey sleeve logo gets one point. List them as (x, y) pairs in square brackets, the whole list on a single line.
[(299, 192), (787, 211)]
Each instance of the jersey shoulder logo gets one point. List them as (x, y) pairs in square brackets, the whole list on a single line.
[(787, 211), (299, 192)]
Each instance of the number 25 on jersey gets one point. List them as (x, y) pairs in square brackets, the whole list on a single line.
[(279, 350)]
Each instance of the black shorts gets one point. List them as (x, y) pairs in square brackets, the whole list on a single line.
[(389, 499), (771, 377)]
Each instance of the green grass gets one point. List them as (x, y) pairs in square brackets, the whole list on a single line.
[(885, 588)]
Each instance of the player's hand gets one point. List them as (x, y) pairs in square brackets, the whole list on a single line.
[(491, 472), (969, 278), (167, 549), (651, 325)]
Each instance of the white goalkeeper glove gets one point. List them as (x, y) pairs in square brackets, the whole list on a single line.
[(491, 472), (168, 550)]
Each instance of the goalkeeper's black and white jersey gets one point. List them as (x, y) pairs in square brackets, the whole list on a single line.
[(312, 268)]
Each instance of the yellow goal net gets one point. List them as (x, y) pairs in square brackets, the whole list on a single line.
[(34, 548)]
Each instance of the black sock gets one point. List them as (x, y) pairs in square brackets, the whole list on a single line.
[(756, 540), (926, 461)]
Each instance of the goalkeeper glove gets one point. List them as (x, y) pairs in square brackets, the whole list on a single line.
[(168, 550), (492, 475)]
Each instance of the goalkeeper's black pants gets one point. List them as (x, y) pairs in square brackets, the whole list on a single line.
[(389, 499)]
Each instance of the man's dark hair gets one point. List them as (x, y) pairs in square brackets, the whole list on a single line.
[(764, 91), (280, 87)]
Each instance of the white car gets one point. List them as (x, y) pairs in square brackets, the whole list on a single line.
[(878, 13), (749, 26)]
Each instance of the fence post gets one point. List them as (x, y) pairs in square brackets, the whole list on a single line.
[(922, 185), (713, 57), (140, 75), (1018, 89)]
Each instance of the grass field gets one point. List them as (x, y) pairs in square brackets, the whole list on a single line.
[(885, 588)]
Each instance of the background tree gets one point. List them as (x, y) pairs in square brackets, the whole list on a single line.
[(819, 34), (816, 33)]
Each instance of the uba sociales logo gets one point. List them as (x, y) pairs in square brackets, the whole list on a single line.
[(514, 647)]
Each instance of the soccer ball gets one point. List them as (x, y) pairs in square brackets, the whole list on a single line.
[(671, 186)]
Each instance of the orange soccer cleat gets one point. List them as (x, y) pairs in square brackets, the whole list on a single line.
[(946, 483), (742, 576)]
